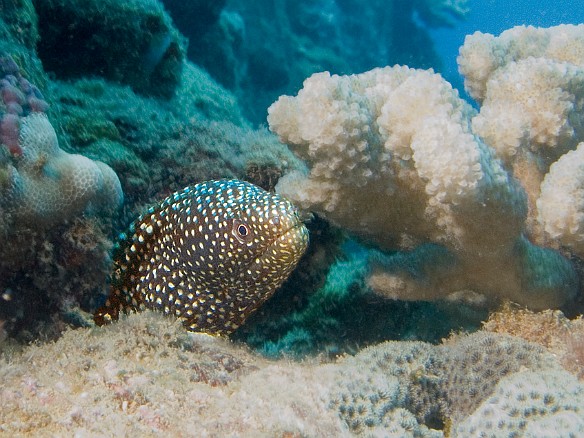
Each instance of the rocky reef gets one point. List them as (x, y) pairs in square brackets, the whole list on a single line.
[(146, 122), (90, 138), (263, 49)]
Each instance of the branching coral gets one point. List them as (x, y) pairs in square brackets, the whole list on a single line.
[(530, 83), (561, 202), (391, 156), (482, 55)]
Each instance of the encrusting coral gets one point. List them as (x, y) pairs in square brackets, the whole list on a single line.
[(553, 401), (146, 375), (392, 157), (42, 184)]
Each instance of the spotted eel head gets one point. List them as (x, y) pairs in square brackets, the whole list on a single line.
[(210, 254), (246, 241)]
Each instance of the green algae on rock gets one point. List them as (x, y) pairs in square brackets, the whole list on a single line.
[(132, 43)]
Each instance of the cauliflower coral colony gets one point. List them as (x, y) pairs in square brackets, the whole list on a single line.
[(398, 158)]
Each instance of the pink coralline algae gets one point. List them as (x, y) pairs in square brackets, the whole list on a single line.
[(19, 98)]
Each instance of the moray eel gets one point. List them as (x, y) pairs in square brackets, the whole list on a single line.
[(210, 254)]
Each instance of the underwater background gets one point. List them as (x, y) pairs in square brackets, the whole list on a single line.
[(433, 148), (495, 16)]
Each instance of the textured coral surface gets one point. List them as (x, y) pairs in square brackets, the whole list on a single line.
[(145, 375), (529, 82)]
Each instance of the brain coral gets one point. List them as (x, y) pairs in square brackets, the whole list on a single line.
[(47, 185), (391, 156), (40, 184)]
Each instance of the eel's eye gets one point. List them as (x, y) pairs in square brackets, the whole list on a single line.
[(241, 231)]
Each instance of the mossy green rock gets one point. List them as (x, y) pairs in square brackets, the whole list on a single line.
[(132, 42)]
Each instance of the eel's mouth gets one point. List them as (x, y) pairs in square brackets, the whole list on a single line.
[(290, 245), (295, 234), (298, 235), (281, 256)]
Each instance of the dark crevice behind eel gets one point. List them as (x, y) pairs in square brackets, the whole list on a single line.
[(210, 254)]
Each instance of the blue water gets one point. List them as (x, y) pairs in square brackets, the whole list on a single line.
[(495, 16)]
